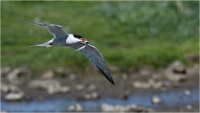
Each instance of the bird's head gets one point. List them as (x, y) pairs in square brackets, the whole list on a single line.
[(83, 40)]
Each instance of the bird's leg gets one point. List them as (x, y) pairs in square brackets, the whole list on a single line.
[(86, 44)]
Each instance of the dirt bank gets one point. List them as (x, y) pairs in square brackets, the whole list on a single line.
[(82, 88)]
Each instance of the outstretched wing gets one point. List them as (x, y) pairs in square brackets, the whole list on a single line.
[(54, 29), (96, 58)]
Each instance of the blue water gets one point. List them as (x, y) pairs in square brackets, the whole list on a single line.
[(175, 99)]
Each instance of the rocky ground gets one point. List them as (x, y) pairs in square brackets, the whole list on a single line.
[(20, 84)]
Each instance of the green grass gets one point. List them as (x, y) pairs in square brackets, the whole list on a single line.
[(118, 44)]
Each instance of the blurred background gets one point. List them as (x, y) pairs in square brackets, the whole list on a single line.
[(151, 49)]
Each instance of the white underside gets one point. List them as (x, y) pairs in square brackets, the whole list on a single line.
[(71, 40)]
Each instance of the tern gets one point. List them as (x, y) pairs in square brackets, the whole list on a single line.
[(77, 42)]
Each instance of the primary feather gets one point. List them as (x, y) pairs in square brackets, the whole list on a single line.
[(93, 54)]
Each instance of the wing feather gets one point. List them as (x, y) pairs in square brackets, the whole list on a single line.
[(95, 57), (55, 30)]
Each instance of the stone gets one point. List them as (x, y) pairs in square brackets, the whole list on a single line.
[(155, 85), (178, 67), (76, 107), (187, 92), (124, 76), (166, 83), (87, 96), (150, 84), (155, 99), (79, 107), (91, 87), (43, 84), (52, 86), (65, 89), (176, 78), (142, 85), (158, 85), (107, 107), (176, 72), (145, 72), (14, 96), (14, 88), (72, 76), (63, 72), (119, 108), (189, 106), (10, 88), (4, 88), (138, 109), (5, 70), (13, 75), (3, 111), (80, 87), (48, 75), (17, 73), (94, 95), (71, 108), (52, 89)]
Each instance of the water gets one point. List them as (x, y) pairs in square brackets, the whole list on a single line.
[(174, 99)]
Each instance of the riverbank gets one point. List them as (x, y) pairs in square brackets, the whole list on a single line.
[(20, 85)]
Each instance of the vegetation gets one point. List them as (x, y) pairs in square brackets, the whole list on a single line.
[(128, 34)]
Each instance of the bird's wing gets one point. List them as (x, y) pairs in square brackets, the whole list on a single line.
[(54, 29), (93, 54)]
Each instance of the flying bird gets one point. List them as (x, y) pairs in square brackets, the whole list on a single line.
[(77, 42)]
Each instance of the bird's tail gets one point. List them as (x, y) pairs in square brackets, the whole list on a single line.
[(42, 45)]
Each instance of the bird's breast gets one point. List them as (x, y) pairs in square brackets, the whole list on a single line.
[(71, 40)]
